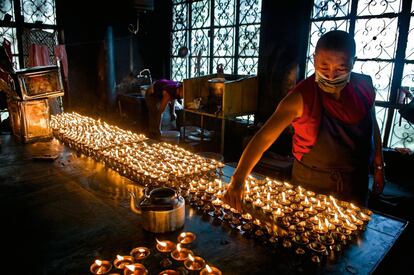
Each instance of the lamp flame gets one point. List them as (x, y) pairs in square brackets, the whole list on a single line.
[(327, 223), (98, 262), (163, 244), (191, 257), (131, 267)]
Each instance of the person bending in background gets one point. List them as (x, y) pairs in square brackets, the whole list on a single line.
[(336, 137), (158, 95)]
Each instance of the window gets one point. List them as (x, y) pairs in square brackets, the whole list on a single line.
[(35, 14), (216, 32), (384, 36)]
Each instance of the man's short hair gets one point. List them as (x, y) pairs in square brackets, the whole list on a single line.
[(337, 40)]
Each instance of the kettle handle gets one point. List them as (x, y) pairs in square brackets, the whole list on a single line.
[(146, 192), (134, 203)]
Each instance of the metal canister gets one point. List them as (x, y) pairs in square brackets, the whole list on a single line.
[(163, 210)]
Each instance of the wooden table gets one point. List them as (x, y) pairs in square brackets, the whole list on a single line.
[(60, 213), (219, 116)]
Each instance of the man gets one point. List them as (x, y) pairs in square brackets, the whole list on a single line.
[(336, 133), (160, 93)]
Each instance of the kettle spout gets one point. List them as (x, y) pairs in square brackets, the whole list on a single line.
[(133, 203)]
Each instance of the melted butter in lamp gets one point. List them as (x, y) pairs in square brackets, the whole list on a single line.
[(180, 254), (135, 269), (194, 263), (210, 270), (121, 261), (100, 267), (140, 253), (165, 246), (186, 237)]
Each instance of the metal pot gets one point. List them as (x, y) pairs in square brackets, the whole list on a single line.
[(162, 210), (216, 86)]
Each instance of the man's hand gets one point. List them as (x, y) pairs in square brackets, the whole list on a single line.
[(233, 195), (379, 181)]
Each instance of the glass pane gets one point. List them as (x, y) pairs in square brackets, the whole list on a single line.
[(39, 11), (199, 41), (370, 7), (381, 74), (310, 68), (250, 11), (179, 68), (200, 14), (10, 35), (408, 76), (200, 45), (224, 12), (409, 52), (247, 66), (381, 114), (317, 30), (227, 63), (376, 38), (331, 8), (223, 46), (203, 65), (249, 40), (402, 133), (16, 62), (179, 39), (6, 6), (224, 42), (180, 19)]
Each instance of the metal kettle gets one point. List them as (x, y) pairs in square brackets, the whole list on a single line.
[(162, 209)]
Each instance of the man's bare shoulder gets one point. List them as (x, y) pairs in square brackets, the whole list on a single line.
[(292, 103)]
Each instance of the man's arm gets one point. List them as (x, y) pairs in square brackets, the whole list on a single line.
[(288, 109), (171, 105), (164, 101)]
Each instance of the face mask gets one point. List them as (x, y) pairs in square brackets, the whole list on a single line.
[(332, 85)]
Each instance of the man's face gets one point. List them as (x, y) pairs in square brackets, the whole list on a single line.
[(332, 64)]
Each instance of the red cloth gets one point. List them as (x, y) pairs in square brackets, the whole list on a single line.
[(60, 53), (6, 65), (38, 56), (7, 47), (350, 108)]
